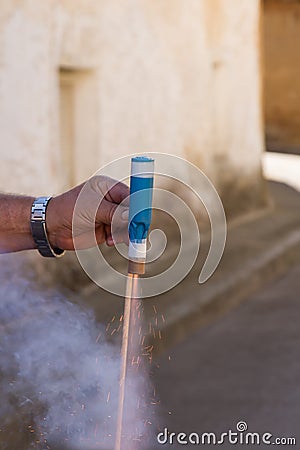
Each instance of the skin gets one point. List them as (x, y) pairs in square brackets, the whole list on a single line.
[(104, 192)]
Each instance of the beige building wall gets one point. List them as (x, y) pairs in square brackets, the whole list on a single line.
[(85, 81), (282, 74)]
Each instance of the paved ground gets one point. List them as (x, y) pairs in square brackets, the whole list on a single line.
[(244, 366)]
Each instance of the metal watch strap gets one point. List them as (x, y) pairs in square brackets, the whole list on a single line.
[(38, 228)]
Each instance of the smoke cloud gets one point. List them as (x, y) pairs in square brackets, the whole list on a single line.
[(59, 374)]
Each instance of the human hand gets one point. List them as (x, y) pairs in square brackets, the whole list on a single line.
[(101, 194)]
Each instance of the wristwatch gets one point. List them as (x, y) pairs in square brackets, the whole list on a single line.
[(39, 230)]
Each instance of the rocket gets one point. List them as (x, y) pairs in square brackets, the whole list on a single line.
[(140, 211)]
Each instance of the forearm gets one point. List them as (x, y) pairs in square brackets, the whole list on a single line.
[(15, 233)]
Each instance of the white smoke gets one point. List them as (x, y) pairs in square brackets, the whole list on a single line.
[(59, 380)]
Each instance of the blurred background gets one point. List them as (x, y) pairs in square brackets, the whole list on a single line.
[(217, 82)]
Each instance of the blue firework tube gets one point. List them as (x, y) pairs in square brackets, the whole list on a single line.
[(140, 206)]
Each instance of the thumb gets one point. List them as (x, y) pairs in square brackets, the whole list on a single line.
[(109, 211)]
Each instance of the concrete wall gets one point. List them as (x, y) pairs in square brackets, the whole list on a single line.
[(282, 74), (85, 81)]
